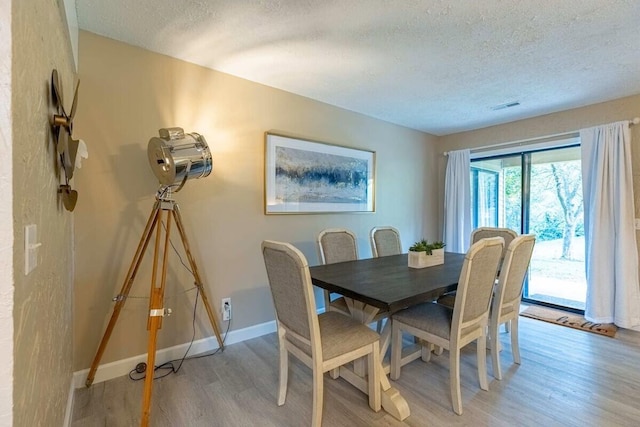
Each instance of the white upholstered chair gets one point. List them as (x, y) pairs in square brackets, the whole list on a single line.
[(339, 245), (385, 241), (454, 328), (484, 232), (505, 308), (323, 342), (476, 235), (506, 233), (336, 245)]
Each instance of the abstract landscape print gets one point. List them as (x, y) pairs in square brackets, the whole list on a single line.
[(304, 176)]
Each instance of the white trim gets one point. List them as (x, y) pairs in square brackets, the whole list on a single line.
[(70, 401), (123, 367)]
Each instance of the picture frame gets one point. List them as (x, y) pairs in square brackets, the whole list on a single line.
[(304, 176)]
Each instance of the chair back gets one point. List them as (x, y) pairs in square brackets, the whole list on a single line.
[(475, 287), (337, 245), (514, 268), (291, 289), (484, 232), (385, 241)]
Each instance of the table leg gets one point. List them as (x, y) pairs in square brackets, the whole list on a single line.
[(385, 338), (364, 314), (392, 401)]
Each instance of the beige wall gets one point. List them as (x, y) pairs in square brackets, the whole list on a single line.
[(551, 124), (42, 310), (128, 94)]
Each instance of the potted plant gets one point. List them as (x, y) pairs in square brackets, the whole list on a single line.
[(424, 254)]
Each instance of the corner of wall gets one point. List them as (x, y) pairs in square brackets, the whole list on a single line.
[(6, 220), (72, 26)]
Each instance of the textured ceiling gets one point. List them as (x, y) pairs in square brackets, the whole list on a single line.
[(434, 65)]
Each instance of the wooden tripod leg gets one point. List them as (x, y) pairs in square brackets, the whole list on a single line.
[(124, 292), (156, 312), (196, 274)]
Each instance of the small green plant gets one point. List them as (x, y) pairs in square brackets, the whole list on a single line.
[(424, 246)]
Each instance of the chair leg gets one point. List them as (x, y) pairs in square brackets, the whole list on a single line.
[(318, 396), (284, 367), (396, 350), (515, 347), (374, 377), (454, 379), (435, 349), (495, 351), (334, 373), (507, 327), (481, 346), (425, 351)]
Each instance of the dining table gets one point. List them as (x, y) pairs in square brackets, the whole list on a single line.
[(385, 284)]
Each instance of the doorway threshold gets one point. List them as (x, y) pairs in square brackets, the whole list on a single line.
[(555, 302)]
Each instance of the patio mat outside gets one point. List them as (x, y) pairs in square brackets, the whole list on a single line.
[(571, 320)]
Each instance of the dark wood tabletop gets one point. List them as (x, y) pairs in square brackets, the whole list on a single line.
[(388, 282)]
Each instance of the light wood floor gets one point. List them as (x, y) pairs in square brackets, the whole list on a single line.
[(567, 378)]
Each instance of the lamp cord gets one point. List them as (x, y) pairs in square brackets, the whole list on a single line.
[(141, 368), (172, 369)]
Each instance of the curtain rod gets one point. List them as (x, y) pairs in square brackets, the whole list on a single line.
[(634, 121)]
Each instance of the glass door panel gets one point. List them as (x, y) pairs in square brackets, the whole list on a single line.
[(557, 271), (496, 192)]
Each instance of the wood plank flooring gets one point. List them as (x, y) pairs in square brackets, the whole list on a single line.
[(568, 377)]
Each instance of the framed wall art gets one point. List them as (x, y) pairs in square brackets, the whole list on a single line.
[(303, 176)]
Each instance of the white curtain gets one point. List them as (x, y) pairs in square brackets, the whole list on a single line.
[(613, 294), (457, 202)]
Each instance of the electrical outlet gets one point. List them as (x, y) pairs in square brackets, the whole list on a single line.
[(226, 308)]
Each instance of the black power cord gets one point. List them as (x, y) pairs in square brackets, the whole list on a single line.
[(139, 372)]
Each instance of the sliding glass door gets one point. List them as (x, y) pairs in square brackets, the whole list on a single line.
[(538, 192)]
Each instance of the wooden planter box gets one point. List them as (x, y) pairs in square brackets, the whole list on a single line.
[(422, 260)]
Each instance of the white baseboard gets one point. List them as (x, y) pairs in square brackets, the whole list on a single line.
[(122, 367), (69, 411)]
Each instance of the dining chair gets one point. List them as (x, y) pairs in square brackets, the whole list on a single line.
[(505, 308), (454, 329), (484, 232), (385, 241), (336, 245), (339, 245), (323, 342), (476, 235), (506, 233)]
